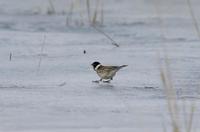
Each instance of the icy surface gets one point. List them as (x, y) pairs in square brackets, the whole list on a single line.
[(46, 85)]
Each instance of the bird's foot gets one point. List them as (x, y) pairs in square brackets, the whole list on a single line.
[(107, 81), (101, 80), (97, 81)]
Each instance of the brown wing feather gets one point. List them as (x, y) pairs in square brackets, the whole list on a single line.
[(107, 72)]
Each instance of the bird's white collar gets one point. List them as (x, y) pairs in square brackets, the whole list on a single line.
[(97, 67)]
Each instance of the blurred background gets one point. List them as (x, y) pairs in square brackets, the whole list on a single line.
[(47, 46)]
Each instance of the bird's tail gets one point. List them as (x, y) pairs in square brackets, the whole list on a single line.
[(123, 66)]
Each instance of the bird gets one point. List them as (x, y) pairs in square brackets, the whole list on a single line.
[(106, 73)]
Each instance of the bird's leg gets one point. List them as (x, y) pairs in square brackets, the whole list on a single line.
[(97, 81)]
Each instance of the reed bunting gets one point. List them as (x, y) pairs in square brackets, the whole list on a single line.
[(106, 73)]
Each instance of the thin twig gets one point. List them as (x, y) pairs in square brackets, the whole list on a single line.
[(41, 52), (107, 36)]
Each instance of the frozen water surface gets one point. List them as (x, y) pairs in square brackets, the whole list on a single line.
[(52, 90)]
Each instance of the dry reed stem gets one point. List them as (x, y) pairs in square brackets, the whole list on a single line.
[(41, 52), (170, 94), (102, 13), (159, 17), (167, 81), (172, 104), (171, 99), (196, 26), (80, 13), (51, 9), (94, 20), (93, 16), (69, 16), (191, 116), (88, 10)]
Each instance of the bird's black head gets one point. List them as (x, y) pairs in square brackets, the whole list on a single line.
[(94, 64)]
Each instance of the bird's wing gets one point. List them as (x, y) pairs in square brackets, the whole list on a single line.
[(110, 68)]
